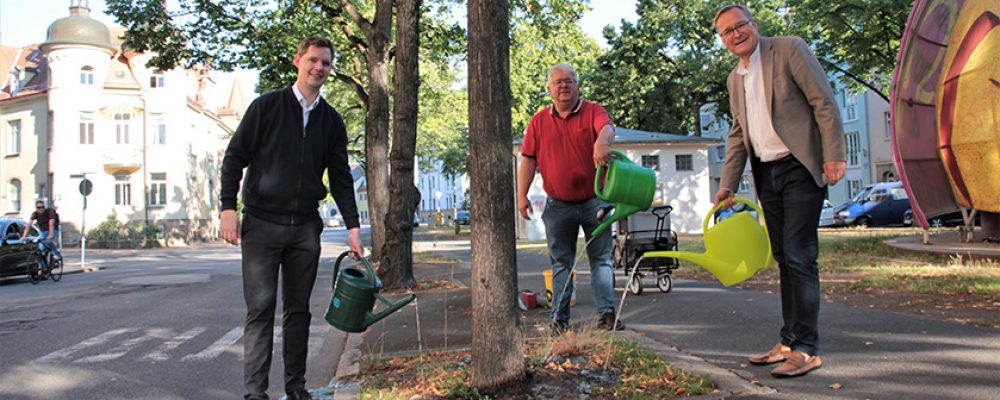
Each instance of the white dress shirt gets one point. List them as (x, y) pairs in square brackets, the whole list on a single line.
[(306, 108), (766, 143)]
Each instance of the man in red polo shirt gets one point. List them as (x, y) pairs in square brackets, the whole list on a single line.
[(566, 142)]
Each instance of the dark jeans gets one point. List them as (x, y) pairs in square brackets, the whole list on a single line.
[(268, 248), (562, 228), (792, 203)]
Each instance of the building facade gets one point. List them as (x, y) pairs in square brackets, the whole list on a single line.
[(78, 106)]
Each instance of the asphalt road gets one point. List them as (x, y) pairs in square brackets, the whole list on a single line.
[(154, 324)]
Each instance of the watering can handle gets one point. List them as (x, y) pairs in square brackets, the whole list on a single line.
[(738, 200), (597, 177), (336, 268)]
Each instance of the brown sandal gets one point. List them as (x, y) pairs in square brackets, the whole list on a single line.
[(777, 354)]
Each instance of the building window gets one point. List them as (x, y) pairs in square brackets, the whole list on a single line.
[(720, 153), (160, 133), (156, 80), (86, 128), (888, 125), (744, 184), (87, 75), (853, 147), (123, 190), (158, 189), (121, 127), (850, 106), (651, 162), (854, 186), (13, 138), (14, 195), (684, 162)]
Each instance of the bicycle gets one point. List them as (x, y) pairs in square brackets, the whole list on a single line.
[(45, 262)]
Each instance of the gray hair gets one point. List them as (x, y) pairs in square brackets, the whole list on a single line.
[(743, 8), (564, 68)]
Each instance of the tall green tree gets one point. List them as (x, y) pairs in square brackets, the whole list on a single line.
[(858, 39), (544, 33)]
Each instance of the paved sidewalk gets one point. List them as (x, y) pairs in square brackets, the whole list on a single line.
[(706, 328)]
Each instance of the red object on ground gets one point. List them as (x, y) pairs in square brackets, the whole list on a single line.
[(529, 299)]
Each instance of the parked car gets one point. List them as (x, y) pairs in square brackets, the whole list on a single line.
[(334, 221), (416, 219), (880, 204), (954, 218), (826, 217), (14, 250), (462, 218)]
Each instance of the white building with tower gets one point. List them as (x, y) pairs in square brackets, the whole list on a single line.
[(150, 141)]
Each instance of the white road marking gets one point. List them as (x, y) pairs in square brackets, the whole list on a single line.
[(218, 347), (121, 350), (160, 354), (64, 354)]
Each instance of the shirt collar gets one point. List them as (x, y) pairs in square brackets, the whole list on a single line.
[(753, 62), (579, 103), (302, 98)]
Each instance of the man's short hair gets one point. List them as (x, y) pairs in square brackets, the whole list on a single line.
[(314, 41), (562, 67), (743, 8), (42, 202)]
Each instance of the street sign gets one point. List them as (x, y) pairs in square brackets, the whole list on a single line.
[(86, 187)]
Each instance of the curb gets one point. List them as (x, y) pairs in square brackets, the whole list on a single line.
[(349, 364), (730, 383)]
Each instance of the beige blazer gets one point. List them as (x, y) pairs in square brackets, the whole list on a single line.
[(803, 110)]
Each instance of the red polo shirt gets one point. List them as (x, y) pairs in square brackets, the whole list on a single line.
[(564, 149)]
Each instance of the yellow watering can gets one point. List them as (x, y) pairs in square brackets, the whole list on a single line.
[(735, 248)]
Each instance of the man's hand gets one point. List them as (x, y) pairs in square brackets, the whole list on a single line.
[(724, 196), (834, 171), (229, 227), (602, 153), (354, 243), (524, 207)]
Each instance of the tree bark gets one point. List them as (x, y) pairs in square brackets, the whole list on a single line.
[(497, 336), (378, 33), (397, 254)]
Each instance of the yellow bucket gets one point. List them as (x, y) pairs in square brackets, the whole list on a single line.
[(735, 249), (548, 287)]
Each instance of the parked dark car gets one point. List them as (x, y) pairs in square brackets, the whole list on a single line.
[(726, 213), (14, 250), (952, 219), (880, 204), (462, 218)]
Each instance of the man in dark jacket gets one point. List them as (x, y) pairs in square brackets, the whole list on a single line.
[(286, 141)]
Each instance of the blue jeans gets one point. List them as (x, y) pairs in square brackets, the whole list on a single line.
[(51, 245), (792, 203), (562, 227)]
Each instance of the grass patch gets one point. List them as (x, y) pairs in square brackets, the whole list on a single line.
[(573, 365), (432, 257)]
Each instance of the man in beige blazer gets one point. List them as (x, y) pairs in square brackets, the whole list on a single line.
[(786, 122)]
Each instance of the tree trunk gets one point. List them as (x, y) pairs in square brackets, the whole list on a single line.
[(377, 124), (497, 336), (397, 256)]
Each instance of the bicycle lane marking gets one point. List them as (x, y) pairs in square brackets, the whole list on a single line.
[(123, 348), (218, 347), (160, 353), (64, 354)]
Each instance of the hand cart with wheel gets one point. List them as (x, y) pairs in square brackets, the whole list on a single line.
[(638, 234)]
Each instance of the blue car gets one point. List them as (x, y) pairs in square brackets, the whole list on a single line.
[(881, 204)]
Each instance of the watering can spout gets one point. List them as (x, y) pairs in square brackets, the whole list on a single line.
[(727, 274), (373, 318), (620, 211)]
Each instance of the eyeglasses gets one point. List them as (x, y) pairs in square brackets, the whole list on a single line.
[(40, 207), (741, 26), (566, 81)]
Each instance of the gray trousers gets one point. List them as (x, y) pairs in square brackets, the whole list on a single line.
[(294, 251)]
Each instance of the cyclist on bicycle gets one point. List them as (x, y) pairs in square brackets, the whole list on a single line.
[(48, 226)]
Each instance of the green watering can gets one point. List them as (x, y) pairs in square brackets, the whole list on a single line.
[(735, 249), (354, 294), (628, 187)]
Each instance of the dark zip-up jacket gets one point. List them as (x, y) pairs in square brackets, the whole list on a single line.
[(285, 163)]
